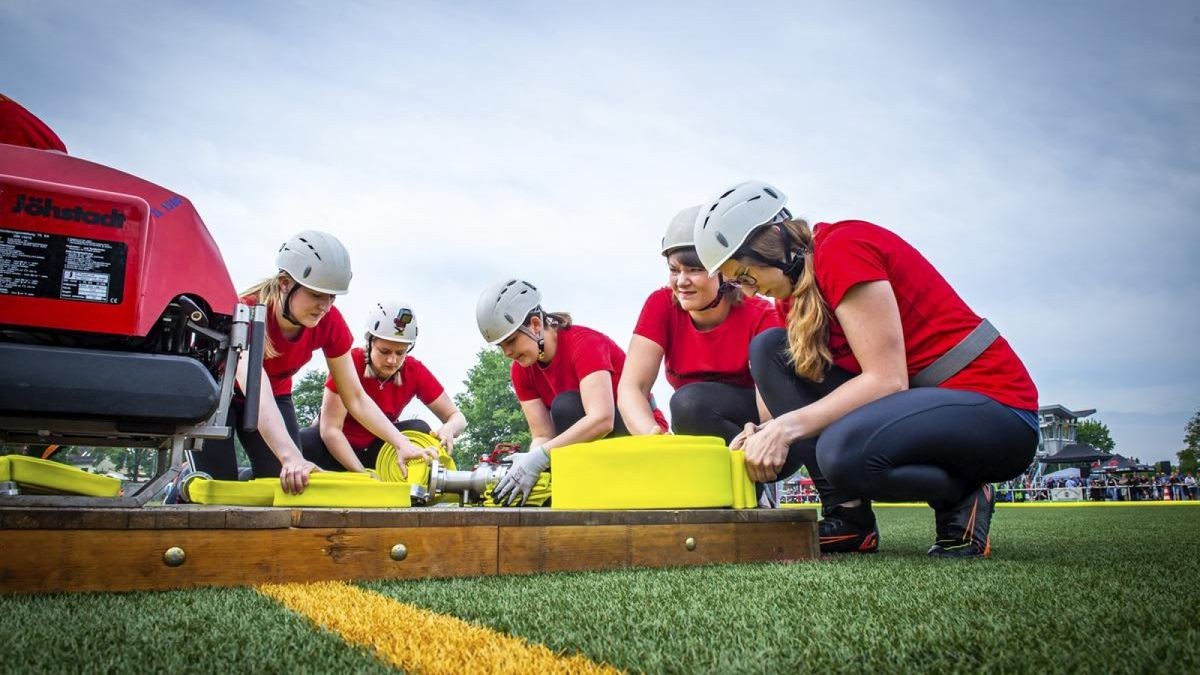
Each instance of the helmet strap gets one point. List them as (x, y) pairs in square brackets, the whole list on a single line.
[(793, 265), (370, 365), (539, 339), (721, 286), (287, 304)]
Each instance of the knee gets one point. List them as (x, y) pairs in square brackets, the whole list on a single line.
[(566, 410), (688, 406), (310, 440), (766, 350), (414, 425), (842, 455)]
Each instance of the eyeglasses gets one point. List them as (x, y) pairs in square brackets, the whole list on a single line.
[(743, 278)]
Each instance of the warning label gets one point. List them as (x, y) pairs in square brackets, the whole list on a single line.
[(41, 265)]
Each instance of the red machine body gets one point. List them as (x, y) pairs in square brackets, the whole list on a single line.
[(86, 248)]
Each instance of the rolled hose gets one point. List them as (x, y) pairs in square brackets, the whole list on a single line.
[(418, 470)]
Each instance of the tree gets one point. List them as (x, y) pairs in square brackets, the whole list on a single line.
[(491, 408), (1188, 460), (135, 463), (306, 396), (1189, 456), (1095, 433), (1191, 438)]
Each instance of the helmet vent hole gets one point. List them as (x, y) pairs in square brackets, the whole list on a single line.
[(753, 198), (770, 192), (508, 318), (725, 195), (307, 271), (721, 238)]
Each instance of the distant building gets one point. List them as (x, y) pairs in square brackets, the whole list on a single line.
[(1058, 427)]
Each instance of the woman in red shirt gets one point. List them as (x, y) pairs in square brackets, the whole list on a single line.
[(313, 269), (392, 378), (702, 327), (884, 384), (565, 377)]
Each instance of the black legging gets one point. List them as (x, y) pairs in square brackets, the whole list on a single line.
[(712, 409), (567, 409), (315, 451), (218, 458), (929, 444)]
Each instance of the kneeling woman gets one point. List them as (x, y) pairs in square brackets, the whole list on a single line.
[(702, 327), (565, 377), (885, 384), (392, 378), (313, 268)]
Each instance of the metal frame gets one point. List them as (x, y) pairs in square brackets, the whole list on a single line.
[(172, 447)]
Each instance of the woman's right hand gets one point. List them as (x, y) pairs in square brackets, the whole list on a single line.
[(294, 476), (409, 451)]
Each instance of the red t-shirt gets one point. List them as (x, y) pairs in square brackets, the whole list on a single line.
[(413, 380), (331, 335), (720, 354), (934, 318), (581, 351)]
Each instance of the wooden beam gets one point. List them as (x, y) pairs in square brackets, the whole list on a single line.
[(52, 550)]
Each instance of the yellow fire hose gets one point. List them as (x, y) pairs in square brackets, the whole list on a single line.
[(643, 472), (42, 476)]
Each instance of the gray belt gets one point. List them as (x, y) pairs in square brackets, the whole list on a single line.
[(959, 357)]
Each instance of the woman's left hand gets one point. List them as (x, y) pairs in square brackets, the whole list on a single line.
[(766, 450)]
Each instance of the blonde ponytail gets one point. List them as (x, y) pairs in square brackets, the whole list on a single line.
[(268, 292)]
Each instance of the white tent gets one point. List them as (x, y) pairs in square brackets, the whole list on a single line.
[(1069, 472)]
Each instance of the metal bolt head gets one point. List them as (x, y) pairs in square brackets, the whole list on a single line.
[(690, 543), (174, 557), (399, 552)]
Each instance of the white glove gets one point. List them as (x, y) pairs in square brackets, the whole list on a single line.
[(526, 467)]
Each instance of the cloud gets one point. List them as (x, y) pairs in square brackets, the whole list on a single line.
[(1044, 159)]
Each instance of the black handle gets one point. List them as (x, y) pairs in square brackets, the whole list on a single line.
[(254, 368)]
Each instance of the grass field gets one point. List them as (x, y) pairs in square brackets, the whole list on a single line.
[(1108, 589)]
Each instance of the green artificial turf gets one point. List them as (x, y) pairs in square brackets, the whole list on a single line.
[(202, 631), (1066, 590), (1095, 589)]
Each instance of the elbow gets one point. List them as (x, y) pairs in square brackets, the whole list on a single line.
[(897, 382), (604, 424)]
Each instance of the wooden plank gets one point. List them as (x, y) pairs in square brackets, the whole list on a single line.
[(37, 561), (666, 545), (777, 541), (527, 550)]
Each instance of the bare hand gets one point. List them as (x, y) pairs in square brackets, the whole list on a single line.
[(446, 438), (766, 449), (294, 476), (408, 451), (740, 440)]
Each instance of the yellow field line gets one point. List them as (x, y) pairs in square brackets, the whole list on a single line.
[(418, 640), (1021, 505)]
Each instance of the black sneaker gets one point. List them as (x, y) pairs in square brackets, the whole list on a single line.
[(962, 529), (848, 529)]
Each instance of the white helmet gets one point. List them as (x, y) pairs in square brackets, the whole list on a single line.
[(680, 231), (317, 261), (394, 321), (727, 221), (502, 308)]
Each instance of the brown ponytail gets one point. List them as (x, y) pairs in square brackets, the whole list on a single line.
[(558, 320), (808, 320)]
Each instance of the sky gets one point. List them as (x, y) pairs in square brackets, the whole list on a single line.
[(1045, 156)]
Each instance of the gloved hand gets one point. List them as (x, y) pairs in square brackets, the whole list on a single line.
[(526, 467)]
